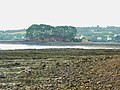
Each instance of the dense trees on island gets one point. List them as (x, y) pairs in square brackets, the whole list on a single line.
[(45, 32)]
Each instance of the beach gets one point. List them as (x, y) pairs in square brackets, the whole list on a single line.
[(60, 69)]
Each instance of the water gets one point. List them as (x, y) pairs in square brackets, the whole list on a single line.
[(25, 46)]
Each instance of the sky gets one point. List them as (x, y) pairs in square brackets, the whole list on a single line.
[(18, 14)]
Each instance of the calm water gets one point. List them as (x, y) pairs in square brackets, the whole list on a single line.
[(23, 46)]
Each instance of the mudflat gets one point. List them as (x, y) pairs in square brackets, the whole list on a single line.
[(60, 69)]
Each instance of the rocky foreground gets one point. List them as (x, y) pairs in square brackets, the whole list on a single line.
[(60, 69)]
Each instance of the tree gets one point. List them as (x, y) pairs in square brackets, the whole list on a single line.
[(64, 32), (117, 38), (42, 31), (38, 31)]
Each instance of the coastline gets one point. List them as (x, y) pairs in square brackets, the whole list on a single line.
[(13, 45), (55, 43)]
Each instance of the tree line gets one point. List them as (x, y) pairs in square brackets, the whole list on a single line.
[(45, 32)]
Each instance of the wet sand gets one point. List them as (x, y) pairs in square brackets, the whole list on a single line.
[(60, 69)]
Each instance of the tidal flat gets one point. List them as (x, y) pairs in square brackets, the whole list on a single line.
[(60, 69)]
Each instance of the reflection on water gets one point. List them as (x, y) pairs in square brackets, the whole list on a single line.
[(23, 46)]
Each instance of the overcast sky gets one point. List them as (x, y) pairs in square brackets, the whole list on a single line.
[(15, 14)]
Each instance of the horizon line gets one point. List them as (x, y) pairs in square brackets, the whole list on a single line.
[(103, 26)]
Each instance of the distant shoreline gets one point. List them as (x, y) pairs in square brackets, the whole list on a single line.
[(12, 45), (57, 43)]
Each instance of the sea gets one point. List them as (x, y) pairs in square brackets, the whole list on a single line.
[(82, 46)]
